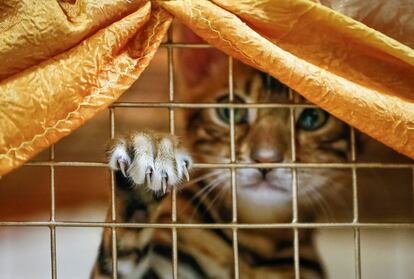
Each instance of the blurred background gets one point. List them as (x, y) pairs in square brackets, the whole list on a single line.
[(82, 194)]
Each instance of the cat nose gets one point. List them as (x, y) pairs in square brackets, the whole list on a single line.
[(267, 155), (264, 172), (262, 155)]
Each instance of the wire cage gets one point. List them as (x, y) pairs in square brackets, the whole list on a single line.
[(172, 105)]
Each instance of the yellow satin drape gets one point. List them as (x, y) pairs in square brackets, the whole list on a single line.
[(45, 102), (357, 74), (65, 62)]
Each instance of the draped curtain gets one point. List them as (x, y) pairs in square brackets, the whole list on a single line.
[(64, 61)]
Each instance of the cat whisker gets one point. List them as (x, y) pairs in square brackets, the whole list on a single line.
[(332, 193), (216, 174), (326, 192), (203, 193), (199, 178), (212, 158), (221, 194), (316, 205), (208, 188), (326, 207), (313, 204), (317, 201), (335, 195)]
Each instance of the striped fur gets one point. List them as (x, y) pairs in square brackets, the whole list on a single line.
[(263, 195)]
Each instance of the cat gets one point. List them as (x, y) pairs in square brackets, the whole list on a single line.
[(148, 164)]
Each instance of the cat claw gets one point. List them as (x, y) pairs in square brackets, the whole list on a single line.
[(185, 171), (148, 179), (153, 161), (164, 184), (149, 171), (148, 175), (123, 165)]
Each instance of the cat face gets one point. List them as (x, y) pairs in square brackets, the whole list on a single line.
[(263, 136)]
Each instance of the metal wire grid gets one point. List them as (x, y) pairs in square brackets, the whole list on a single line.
[(295, 225)]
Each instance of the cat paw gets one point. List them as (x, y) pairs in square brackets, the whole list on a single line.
[(157, 161)]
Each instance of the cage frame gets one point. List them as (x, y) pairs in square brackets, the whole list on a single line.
[(171, 105)]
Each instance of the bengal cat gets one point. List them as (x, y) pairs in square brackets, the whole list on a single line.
[(148, 164)]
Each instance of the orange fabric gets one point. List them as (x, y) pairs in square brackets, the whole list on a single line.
[(64, 61), (27, 26), (356, 73), (42, 104), (393, 18)]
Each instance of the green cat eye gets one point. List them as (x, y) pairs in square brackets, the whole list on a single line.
[(312, 119), (240, 115)]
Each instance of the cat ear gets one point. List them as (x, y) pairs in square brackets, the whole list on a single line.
[(196, 64)]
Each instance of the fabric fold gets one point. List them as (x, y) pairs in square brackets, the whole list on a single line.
[(32, 31), (64, 61), (44, 103), (381, 106)]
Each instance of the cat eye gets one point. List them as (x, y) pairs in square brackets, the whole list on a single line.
[(240, 115), (312, 119)]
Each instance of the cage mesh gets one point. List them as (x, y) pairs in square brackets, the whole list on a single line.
[(171, 105)]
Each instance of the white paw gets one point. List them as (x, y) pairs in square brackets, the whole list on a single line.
[(154, 160)]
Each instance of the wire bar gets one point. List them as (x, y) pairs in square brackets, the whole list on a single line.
[(53, 251), (295, 225), (172, 132), (113, 202), (246, 165), (184, 45), (412, 196), (294, 188), (208, 105), (52, 213), (233, 170), (334, 225), (357, 237)]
